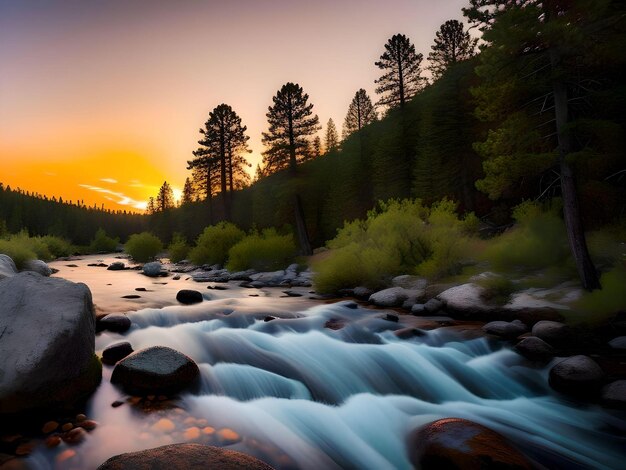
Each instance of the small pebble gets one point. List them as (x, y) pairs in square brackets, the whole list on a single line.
[(228, 436), (67, 426), (66, 455), (53, 441), (161, 398), (164, 425), (117, 403), (25, 449), (88, 424), (151, 397), (208, 430), (80, 418), (75, 436), (49, 427), (192, 433)]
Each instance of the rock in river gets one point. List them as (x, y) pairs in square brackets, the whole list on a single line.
[(152, 269), (577, 375), (155, 371), (116, 266), (455, 443), (187, 456), (188, 296), (115, 322), (116, 352), (43, 322), (535, 349), (505, 329)]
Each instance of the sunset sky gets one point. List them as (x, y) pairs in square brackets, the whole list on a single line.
[(102, 100)]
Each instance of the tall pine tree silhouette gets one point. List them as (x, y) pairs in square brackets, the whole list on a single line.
[(291, 123), (452, 45)]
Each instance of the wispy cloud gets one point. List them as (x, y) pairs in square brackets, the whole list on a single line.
[(116, 197), (135, 184), (49, 173), (108, 180)]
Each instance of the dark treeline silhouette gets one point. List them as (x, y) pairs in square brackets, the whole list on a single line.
[(40, 215)]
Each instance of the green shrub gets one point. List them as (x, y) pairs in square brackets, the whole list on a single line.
[(537, 241), (399, 237), (267, 251), (17, 251), (33, 244), (178, 248), (599, 305), (214, 243), (58, 246), (102, 243), (497, 289), (143, 247)]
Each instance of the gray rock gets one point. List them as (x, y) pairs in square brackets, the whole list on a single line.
[(535, 349), (392, 297), (269, 278), (613, 395), (187, 456), (152, 269), (242, 275), (465, 298), (37, 266), (43, 323), (156, 370), (505, 329), (362, 293), (618, 343), (115, 322), (116, 266), (577, 375), (409, 282), (555, 333), (433, 305), (7, 267), (418, 309)]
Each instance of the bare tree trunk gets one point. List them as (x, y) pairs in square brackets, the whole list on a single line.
[(571, 210), (303, 234)]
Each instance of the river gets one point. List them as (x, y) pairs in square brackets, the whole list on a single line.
[(298, 394)]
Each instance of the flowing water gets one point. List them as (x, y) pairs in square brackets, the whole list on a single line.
[(299, 395)]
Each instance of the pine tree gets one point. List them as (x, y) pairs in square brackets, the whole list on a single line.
[(188, 192), (361, 112), (165, 198), (452, 45), (331, 138), (542, 60), (317, 147), (225, 139), (151, 208), (402, 78), (291, 122)]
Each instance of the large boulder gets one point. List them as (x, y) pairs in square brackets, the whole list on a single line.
[(43, 323), (465, 299), (188, 456), (577, 376), (7, 266), (37, 266), (409, 282), (155, 371), (454, 443), (393, 297)]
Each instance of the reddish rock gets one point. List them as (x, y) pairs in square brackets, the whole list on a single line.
[(187, 456), (455, 443)]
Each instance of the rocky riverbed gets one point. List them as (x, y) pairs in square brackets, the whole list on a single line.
[(259, 363)]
